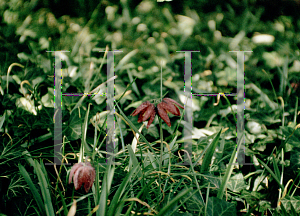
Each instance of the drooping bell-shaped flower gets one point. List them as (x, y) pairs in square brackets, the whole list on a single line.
[(168, 105), (82, 173), (147, 109)]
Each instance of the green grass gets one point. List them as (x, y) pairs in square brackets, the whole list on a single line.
[(147, 175)]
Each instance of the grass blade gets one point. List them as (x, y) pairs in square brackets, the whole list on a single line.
[(210, 152), (229, 169), (173, 201), (44, 185), (117, 196), (272, 173), (35, 193), (135, 162)]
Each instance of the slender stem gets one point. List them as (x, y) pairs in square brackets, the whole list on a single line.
[(161, 145), (161, 84), (161, 136), (296, 111)]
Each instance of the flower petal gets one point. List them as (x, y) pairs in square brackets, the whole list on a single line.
[(148, 112), (169, 100), (151, 118), (140, 119), (140, 108), (170, 108), (163, 114), (73, 170), (78, 178), (89, 178), (84, 174)]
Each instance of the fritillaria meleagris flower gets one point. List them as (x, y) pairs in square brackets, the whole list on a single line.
[(168, 105), (147, 109), (82, 173)]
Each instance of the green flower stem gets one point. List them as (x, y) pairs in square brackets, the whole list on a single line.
[(161, 137), (161, 153)]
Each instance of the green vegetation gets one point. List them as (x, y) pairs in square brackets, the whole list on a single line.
[(147, 175)]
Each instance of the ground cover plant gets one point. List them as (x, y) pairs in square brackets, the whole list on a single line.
[(145, 173)]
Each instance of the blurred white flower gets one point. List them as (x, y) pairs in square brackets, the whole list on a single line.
[(263, 39)]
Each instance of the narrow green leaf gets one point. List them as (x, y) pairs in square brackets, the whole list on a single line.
[(134, 86), (146, 186), (125, 59), (44, 185), (103, 197), (173, 201), (87, 148), (135, 162), (152, 159), (210, 152), (105, 188), (276, 169), (283, 211), (272, 173), (63, 201), (229, 169), (2, 119), (293, 210), (117, 196), (35, 193)]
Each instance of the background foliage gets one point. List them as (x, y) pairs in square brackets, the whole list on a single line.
[(149, 34)]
